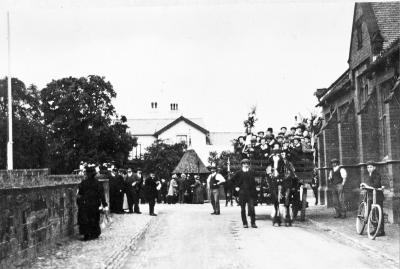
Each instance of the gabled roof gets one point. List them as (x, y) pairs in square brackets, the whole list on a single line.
[(342, 83), (382, 19), (388, 19), (150, 126), (181, 118), (190, 163)]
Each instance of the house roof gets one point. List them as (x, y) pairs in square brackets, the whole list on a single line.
[(388, 19), (190, 163), (181, 118), (382, 19), (343, 82), (151, 126)]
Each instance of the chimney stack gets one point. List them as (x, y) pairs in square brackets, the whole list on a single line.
[(174, 106)]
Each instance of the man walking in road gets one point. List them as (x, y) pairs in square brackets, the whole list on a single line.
[(134, 183), (245, 183), (214, 182), (337, 177), (131, 191), (150, 192)]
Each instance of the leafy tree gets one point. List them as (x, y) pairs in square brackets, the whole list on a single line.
[(162, 158), (221, 160), (83, 123), (29, 133), (213, 158)]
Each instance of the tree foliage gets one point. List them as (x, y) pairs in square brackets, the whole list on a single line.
[(162, 158), (221, 160), (29, 133), (83, 124)]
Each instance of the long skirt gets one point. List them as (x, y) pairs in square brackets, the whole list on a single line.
[(89, 221)]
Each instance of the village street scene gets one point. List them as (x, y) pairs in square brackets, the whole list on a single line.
[(199, 134)]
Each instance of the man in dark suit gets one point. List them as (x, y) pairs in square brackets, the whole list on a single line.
[(245, 184), (133, 186), (116, 183), (150, 192), (182, 188)]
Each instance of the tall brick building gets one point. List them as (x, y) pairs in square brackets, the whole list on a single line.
[(361, 108)]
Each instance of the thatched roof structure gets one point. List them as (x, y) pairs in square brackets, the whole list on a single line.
[(190, 164)]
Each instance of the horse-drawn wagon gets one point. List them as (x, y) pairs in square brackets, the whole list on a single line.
[(268, 191)]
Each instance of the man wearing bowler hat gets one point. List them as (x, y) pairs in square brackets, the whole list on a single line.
[(337, 177), (214, 181), (245, 183)]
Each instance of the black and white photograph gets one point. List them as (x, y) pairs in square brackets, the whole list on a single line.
[(199, 134)]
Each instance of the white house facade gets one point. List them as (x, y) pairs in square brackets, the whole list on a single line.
[(174, 128)]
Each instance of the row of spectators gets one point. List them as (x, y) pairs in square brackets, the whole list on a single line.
[(296, 141)]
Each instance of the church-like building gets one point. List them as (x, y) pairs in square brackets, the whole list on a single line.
[(362, 108)]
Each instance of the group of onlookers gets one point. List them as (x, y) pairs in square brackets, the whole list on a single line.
[(186, 188), (297, 140), (127, 190)]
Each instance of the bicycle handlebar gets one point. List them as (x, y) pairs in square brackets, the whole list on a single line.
[(372, 188)]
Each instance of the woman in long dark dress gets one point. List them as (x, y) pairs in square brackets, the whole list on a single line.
[(90, 198)]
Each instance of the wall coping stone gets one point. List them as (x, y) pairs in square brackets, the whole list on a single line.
[(28, 178)]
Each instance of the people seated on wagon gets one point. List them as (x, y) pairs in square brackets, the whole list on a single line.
[(270, 132), (306, 145), (264, 148), (292, 131), (296, 149), (239, 144), (299, 130), (284, 130), (280, 138)]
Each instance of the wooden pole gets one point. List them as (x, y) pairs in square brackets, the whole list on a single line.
[(10, 129)]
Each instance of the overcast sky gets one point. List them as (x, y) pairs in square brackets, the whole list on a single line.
[(215, 60)]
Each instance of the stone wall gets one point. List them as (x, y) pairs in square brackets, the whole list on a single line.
[(36, 210)]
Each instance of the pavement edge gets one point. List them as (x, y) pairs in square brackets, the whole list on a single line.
[(117, 259), (351, 240)]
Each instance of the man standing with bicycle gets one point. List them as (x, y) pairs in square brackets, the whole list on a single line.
[(374, 180), (337, 177)]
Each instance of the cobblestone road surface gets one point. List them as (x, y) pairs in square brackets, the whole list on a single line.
[(187, 236)]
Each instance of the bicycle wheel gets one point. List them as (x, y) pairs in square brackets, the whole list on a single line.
[(361, 218), (374, 221)]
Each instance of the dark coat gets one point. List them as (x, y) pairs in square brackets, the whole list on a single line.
[(150, 189), (247, 184), (130, 180), (375, 180), (90, 197), (182, 184)]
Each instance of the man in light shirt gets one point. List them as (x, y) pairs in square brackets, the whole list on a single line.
[(214, 182), (337, 177)]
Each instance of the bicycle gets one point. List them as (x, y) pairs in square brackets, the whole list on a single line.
[(370, 215)]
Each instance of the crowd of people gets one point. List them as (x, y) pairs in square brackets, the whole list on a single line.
[(128, 190), (295, 141)]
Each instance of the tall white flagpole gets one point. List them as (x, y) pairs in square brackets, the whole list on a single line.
[(10, 130)]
